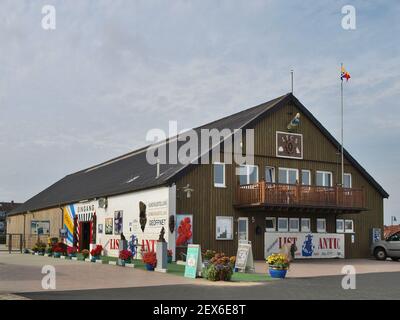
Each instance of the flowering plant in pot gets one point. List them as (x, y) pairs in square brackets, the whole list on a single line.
[(125, 256), (96, 252), (72, 251), (150, 259), (219, 268), (58, 251), (278, 265), (169, 256), (49, 251), (85, 253), (39, 247)]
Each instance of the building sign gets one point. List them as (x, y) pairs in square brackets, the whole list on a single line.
[(109, 226), (118, 221), (309, 245), (68, 218), (40, 227), (289, 145)]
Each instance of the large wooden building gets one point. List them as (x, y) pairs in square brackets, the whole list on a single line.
[(292, 193)]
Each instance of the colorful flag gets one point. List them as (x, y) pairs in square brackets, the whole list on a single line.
[(344, 74)]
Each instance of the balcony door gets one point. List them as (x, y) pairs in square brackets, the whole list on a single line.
[(243, 229)]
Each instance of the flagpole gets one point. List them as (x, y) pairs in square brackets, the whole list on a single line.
[(341, 100)]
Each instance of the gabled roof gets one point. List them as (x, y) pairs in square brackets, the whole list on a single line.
[(132, 172)]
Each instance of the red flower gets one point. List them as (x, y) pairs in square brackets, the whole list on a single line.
[(184, 232), (72, 250), (96, 251), (169, 253), (125, 255), (150, 258)]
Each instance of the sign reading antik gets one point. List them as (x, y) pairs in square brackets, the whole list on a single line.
[(309, 245)]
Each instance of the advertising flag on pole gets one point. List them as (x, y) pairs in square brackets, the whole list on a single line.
[(343, 75)]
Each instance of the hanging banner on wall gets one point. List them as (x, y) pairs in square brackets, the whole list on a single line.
[(69, 216), (309, 245)]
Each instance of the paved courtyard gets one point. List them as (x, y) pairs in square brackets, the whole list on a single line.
[(20, 277)]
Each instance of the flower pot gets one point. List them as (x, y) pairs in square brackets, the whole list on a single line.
[(149, 267), (121, 262), (94, 258), (57, 254), (169, 259), (277, 273)]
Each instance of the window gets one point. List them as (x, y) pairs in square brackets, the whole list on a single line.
[(248, 174), (269, 174), (306, 177), (347, 180), (348, 226), (321, 225), (394, 237), (219, 175), (339, 225), (243, 229), (282, 224), (305, 225), (324, 179), (294, 225), (270, 224), (288, 176)]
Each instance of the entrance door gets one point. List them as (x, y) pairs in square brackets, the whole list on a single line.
[(85, 235), (243, 229)]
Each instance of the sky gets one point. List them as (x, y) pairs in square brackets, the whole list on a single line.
[(112, 70)]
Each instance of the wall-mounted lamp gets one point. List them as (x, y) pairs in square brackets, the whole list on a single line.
[(188, 191)]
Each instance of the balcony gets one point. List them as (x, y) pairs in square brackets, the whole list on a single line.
[(286, 196)]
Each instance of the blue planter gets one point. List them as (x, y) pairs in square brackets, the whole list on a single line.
[(169, 259), (57, 254), (277, 273), (149, 267)]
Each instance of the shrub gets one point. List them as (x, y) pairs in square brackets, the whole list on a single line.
[(85, 253), (96, 251), (150, 258), (125, 255), (39, 246), (220, 268)]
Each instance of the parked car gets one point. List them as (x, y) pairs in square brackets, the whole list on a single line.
[(387, 248)]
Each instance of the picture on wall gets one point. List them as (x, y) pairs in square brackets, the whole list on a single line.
[(40, 227), (118, 222), (224, 228), (109, 226), (100, 228), (184, 229)]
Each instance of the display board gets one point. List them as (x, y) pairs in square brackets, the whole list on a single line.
[(244, 257), (193, 261)]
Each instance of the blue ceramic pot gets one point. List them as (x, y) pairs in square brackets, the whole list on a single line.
[(57, 254), (149, 267), (277, 273), (169, 259)]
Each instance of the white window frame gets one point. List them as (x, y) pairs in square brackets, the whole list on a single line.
[(323, 180), (273, 174), (274, 223), (309, 174), (247, 228), (342, 229), (352, 226), (219, 185), (351, 180), (287, 225), (219, 218), (321, 230), (287, 174), (309, 225), (298, 225), (248, 166)]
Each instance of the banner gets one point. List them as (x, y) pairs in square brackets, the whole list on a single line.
[(309, 245), (69, 215)]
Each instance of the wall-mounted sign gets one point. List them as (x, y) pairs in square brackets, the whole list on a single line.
[(309, 245), (193, 261), (109, 226), (118, 219), (289, 145), (224, 227), (184, 229), (40, 227)]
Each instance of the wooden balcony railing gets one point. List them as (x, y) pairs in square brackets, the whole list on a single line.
[(264, 194)]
